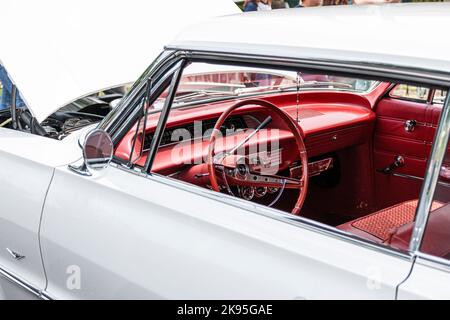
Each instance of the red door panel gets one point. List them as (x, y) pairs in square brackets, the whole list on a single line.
[(405, 147), (402, 109), (391, 139), (396, 127)]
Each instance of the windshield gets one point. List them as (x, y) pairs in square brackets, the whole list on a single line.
[(203, 81)]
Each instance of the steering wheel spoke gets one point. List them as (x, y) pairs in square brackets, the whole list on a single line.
[(240, 174)]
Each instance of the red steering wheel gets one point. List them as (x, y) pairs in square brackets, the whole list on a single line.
[(243, 175)]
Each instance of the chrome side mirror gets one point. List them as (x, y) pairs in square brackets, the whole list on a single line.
[(98, 149), (98, 152)]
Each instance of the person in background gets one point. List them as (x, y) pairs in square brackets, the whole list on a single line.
[(335, 2), (374, 1), (250, 5), (279, 4), (264, 5), (257, 5), (309, 3)]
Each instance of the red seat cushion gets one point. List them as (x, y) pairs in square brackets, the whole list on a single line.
[(382, 225)]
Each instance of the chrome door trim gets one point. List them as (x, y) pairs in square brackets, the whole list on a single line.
[(433, 261), (407, 176), (435, 160), (392, 73), (24, 284), (267, 212), (411, 177)]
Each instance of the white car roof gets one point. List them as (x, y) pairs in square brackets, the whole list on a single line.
[(407, 34), (58, 50)]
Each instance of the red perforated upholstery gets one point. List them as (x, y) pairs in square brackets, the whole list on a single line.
[(382, 225)]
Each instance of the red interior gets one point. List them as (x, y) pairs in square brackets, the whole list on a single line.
[(391, 139), (361, 133)]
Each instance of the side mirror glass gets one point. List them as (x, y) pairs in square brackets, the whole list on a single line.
[(98, 149), (98, 152)]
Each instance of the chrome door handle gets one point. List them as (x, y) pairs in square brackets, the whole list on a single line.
[(410, 125), (399, 162), (445, 173)]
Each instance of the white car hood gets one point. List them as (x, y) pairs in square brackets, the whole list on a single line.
[(56, 51)]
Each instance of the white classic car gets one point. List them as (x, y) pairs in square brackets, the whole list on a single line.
[(242, 164)]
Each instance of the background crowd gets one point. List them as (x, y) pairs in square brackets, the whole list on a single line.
[(261, 5)]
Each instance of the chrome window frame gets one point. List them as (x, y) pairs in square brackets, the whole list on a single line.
[(435, 160), (382, 72), (424, 101)]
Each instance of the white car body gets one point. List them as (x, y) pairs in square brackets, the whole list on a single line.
[(120, 234)]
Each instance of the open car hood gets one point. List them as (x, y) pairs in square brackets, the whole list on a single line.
[(56, 51)]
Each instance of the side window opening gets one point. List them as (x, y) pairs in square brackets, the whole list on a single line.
[(342, 174), (409, 92), (439, 96)]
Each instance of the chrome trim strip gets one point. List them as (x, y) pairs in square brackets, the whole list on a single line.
[(433, 261), (269, 212), (385, 72), (408, 176), (24, 284), (46, 296), (431, 177)]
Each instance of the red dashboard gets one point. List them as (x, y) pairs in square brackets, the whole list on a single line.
[(330, 121)]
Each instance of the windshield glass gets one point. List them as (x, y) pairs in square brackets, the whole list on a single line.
[(203, 81)]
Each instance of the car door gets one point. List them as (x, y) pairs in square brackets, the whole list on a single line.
[(121, 233), (405, 127), (25, 177)]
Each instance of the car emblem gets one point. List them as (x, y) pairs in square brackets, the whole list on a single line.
[(15, 254)]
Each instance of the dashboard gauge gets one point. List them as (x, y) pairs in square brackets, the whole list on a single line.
[(247, 193), (260, 192), (242, 170), (231, 127), (272, 190)]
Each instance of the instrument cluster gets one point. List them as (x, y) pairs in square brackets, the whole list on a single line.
[(250, 193)]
